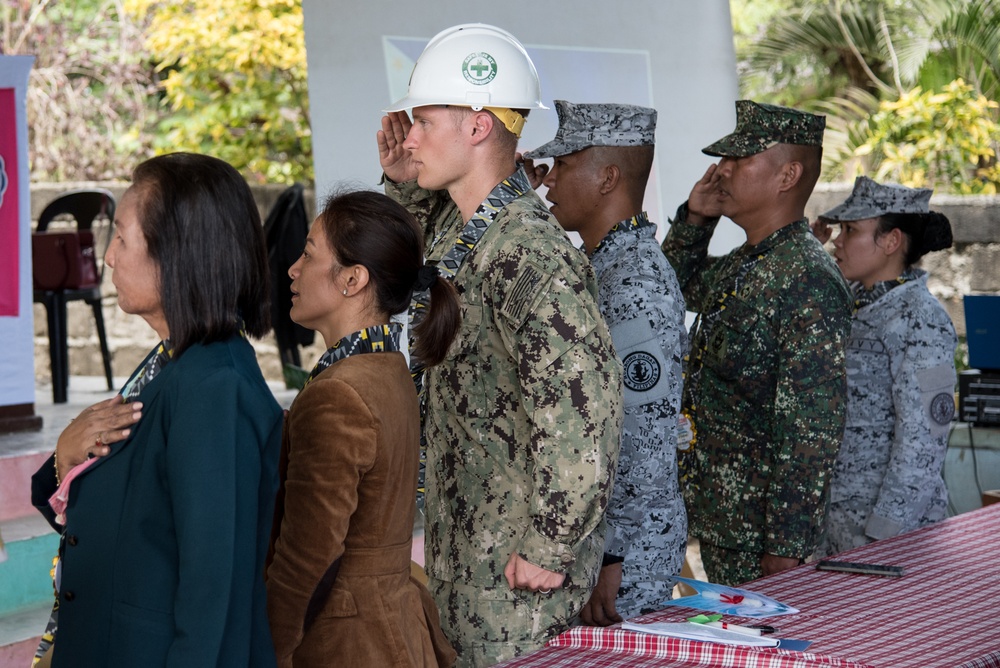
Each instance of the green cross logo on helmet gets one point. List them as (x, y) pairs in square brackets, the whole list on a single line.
[(479, 68)]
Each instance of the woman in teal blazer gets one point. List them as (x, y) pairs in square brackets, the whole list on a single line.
[(164, 494)]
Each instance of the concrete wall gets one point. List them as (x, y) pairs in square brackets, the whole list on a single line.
[(972, 266)]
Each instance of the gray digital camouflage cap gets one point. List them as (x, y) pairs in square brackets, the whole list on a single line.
[(584, 125), (761, 126), (870, 199)]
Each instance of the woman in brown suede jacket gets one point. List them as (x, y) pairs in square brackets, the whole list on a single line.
[(338, 578)]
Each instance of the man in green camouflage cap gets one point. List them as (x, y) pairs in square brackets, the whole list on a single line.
[(761, 126), (765, 384)]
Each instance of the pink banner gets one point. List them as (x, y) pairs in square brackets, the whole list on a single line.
[(9, 205)]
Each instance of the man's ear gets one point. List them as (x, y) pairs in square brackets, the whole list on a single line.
[(481, 123), (791, 174), (611, 175)]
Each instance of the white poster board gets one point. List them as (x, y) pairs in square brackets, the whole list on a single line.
[(674, 55)]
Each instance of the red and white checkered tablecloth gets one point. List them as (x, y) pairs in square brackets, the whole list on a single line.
[(940, 614), (616, 648)]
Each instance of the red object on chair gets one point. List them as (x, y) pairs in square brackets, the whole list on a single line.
[(65, 269), (64, 260)]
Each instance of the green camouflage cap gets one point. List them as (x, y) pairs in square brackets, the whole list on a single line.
[(870, 199), (761, 126), (584, 125)]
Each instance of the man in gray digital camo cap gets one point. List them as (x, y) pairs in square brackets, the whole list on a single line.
[(765, 385), (603, 154)]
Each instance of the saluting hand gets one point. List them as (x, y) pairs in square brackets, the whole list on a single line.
[(821, 230), (535, 172), (703, 202), (395, 160)]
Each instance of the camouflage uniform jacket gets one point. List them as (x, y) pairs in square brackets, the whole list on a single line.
[(900, 403), (768, 398), (524, 416), (642, 304)]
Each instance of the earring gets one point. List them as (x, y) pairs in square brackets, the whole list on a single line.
[(345, 292)]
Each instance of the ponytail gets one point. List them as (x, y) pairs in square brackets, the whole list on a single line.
[(434, 334)]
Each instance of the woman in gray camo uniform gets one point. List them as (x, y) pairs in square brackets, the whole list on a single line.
[(900, 368)]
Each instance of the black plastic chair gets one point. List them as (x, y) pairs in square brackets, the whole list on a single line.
[(84, 206)]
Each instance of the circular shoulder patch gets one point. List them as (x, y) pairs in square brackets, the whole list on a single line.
[(642, 371), (943, 408), (479, 68)]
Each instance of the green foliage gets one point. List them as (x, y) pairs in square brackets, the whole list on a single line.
[(234, 83), (962, 354), (945, 140), (809, 50), (969, 48), (846, 129), (89, 92), (862, 62)]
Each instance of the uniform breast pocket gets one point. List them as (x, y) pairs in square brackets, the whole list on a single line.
[(460, 376), (869, 385), (868, 357), (730, 347)]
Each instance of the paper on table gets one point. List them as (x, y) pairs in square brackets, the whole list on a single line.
[(730, 601), (689, 631)]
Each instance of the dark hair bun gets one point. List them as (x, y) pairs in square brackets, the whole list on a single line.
[(937, 233)]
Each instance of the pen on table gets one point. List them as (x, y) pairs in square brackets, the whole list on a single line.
[(738, 628), (763, 628), (716, 622)]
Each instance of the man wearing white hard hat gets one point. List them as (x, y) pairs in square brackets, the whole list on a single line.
[(522, 421)]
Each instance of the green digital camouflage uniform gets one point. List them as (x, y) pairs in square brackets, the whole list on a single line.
[(522, 422), (765, 388)]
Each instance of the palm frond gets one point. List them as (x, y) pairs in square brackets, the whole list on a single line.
[(846, 129), (971, 41)]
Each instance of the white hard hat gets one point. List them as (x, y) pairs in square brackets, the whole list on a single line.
[(473, 65)]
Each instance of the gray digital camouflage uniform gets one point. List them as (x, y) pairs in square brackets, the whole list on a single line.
[(523, 423), (900, 402), (765, 388), (642, 304)]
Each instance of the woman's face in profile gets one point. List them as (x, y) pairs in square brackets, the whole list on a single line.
[(136, 275), (858, 252), (316, 298)]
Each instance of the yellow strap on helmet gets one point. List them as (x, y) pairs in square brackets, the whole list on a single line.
[(511, 120)]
